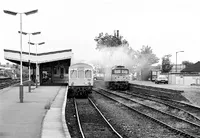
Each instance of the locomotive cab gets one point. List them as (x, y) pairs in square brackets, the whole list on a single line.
[(119, 78)]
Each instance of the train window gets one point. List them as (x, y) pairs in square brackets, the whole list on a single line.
[(88, 74), (117, 71), (124, 71), (55, 70), (66, 69), (81, 74), (62, 70), (73, 74)]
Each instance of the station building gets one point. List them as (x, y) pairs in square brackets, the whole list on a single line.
[(50, 68)]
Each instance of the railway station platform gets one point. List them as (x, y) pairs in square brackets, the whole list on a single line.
[(192, 93), (39, 116)]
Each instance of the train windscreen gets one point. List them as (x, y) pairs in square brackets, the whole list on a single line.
[(81, 74), (117, 71), (88, 74), (120, 71), (124, 71), (73, 73)]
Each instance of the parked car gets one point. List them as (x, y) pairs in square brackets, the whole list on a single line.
[(161, 79)]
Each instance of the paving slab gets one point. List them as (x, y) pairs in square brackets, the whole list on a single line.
[(54, 124), (24, 120)]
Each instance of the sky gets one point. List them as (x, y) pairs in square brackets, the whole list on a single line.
[(167, 26)]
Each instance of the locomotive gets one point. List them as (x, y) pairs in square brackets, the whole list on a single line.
[(80, 80), (117, 78)]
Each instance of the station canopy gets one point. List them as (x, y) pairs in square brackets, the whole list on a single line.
[(14, 56)]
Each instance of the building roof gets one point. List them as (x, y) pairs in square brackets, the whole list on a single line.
[(46, 53), (14, 56), (156, 68), (81, 65), (192, 68)]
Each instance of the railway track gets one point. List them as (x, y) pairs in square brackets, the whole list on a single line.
[(187, 107), (161, 92), (92, 123), (7, 82), (155, 89), (174, 123)]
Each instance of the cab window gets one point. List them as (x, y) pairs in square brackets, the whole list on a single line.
[(117, 71), (62, 70), (88, 74), (81, 74), (73, 73), (124, 71), (55, 70)]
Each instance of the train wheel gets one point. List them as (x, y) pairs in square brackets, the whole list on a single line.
[(125, 87), (116, 87), (70, 93), (111, 86)]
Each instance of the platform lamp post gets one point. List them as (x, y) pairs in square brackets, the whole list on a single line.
[(29, 68), (14, 14), (176, 59), (36, 44)]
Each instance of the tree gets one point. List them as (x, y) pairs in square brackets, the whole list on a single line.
[(113, 44), (166, 64), (110, 40), (146, 57), (7, 64), (16, 66), (187, 63)]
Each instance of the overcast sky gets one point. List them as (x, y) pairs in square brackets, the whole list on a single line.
[(167, 26)]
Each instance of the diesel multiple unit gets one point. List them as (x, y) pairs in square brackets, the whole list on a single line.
[(80, 80)]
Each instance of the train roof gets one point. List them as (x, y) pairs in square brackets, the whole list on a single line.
[(82, 65), (119, 67)]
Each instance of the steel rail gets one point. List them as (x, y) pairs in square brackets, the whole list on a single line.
[(77, 116), (4, 88), (105, 119), (177, 131), (157, 100), (151, 88), (192, 123), (179, 102)]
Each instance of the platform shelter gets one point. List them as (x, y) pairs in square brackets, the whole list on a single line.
[(50, 68)]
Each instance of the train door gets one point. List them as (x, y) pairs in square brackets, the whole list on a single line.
[(46, 76), (62, 72), (89, 76)]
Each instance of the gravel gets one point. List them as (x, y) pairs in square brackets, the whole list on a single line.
[(193, 95), (125, 121), (71, 119), (129, 123), (92, 123)]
